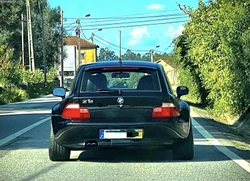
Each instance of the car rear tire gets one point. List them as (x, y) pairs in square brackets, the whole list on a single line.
[(184, 150), (56, 151)]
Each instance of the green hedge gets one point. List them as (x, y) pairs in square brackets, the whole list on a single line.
[(217, 53), (37, 89)]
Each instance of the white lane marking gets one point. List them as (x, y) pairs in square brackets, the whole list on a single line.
[(15, 135), (25, 112), (238, 160)]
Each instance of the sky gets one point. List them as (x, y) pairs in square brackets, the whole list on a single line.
[(140, 37)]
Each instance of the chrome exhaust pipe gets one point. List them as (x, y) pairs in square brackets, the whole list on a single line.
[(91, 144), (88, 145)]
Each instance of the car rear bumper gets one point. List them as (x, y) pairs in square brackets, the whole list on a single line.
[(76, 135)]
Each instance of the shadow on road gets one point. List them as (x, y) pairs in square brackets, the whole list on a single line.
[(28, 106), (203, 153)]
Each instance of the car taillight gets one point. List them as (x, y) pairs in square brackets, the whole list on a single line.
[(74, 112), (166, 110)]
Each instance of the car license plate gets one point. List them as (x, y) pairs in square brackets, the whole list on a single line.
[(121, 133)]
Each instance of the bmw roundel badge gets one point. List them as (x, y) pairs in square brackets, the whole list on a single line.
[(120, 100)]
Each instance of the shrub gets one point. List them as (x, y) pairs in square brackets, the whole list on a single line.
[(12, 94), (186, 79)]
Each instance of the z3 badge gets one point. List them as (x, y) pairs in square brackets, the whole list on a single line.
[(87, 101)]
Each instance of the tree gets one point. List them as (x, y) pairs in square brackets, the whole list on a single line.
[(106, 54), (129, 55), (11, 30), (214, 47)]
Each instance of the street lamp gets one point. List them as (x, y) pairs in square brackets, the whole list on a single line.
[(92, 40), (152, 53), (93, 34)]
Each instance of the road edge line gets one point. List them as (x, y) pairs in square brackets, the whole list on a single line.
[(19, 133), (219, 146)]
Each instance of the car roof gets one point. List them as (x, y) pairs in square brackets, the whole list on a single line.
[(125, 63)]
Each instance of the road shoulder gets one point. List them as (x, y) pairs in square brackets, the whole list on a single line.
[(235, 136)]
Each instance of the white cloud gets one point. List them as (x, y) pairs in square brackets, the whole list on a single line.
[(173, 32), (132, 42), (137, 34), (180, 29), (170, 29), (155, 6)]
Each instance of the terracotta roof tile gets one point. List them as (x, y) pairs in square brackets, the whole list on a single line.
[(73, 40)]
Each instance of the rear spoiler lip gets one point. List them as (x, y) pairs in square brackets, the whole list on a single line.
[(120, 68)]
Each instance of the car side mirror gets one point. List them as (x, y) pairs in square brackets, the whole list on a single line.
[(59, 92), (181, 90)]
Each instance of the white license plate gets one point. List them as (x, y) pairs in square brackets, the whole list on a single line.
[(120, 133)]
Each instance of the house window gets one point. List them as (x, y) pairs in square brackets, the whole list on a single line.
[(82, 55)]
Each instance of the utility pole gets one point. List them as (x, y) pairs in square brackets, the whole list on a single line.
[(30, 40), (78, 33), (151, 55), (92, 37), (62, 73), (22, 40), (40, 7), (27, 7)]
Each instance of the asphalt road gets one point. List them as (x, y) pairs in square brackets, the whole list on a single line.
[(24, 133)]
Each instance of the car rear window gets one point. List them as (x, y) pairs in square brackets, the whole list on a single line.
[(120, 79)]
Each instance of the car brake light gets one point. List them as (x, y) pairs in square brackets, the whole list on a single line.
[(166, 110), (120, 68), (74, 111)]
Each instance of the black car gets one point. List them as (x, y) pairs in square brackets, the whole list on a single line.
[(121, 104)]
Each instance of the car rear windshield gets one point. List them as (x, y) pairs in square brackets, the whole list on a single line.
[(140, 79)]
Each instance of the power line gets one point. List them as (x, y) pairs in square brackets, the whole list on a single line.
[(133, 50), (69, 24), (137, 25), (159, 51), (129, 26), (106, 41), (132, 22), (171, 45), (126, 16), (82, 33), (125, 20), (136, 17), (124, 23), (106, 45), (110, 43), (121, 47), (114, 22)]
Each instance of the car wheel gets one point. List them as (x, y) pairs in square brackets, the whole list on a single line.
[(184, 150), (56, 151)]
